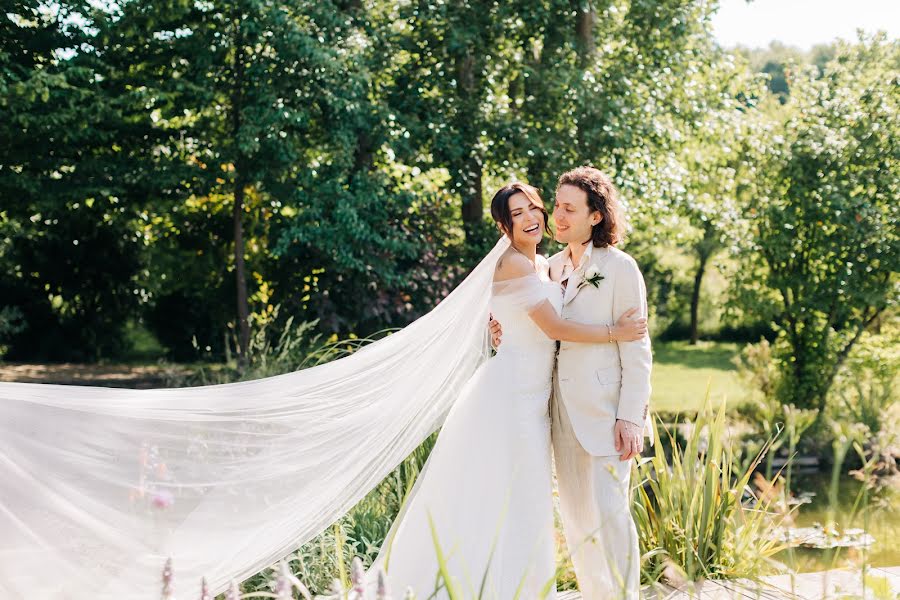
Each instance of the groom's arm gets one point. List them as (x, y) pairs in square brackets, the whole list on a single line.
[(636, 357)]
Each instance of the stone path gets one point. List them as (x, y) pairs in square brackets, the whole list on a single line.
[(838, 584)]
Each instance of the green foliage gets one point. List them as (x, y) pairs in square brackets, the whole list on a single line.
[(71, 256), (74, 305), (865, 392), (190, 291), (756, 366), (823, 250), (696, 513), (778, 62), (361, 141), (276, 347), (183, 107), (11, 323)]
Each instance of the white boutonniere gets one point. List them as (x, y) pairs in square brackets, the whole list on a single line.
[(592, 277)]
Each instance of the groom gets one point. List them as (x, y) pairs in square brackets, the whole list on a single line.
[(601, 392)]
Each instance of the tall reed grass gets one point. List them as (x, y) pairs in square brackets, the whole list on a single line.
[(696, 513)]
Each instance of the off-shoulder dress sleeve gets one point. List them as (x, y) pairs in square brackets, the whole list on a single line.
[(526, 293)]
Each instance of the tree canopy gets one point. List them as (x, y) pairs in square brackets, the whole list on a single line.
[(190, 165)]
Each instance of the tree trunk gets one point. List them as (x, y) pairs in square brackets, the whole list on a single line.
[(243, 307), (471, 175), (472, 207), (584, 33), (363, 155), (695, 299)]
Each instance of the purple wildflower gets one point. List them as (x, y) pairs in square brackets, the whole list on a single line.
[(233, 593), (337, 588), (381, 592), (283, 587), (168, 579), (358, 577), (162, 499), (204, 590)]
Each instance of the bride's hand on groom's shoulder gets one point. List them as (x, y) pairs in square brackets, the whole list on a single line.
[(629, 439)]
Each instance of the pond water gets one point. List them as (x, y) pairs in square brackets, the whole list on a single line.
[(880, 519)]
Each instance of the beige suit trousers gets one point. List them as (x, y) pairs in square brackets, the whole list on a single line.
[(595, 505)]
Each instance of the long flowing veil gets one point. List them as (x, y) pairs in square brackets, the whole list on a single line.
[(99, 486)]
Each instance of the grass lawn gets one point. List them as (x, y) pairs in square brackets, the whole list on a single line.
[(681, 374)]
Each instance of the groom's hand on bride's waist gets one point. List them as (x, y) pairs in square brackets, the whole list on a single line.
[(629, 439), (496, 332)]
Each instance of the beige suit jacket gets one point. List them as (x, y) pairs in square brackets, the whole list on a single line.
[(599, 383)]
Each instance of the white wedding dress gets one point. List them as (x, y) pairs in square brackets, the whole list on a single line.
[(99, 486), (484, 498)]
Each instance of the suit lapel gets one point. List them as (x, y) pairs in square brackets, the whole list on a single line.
[(597, 257), (576, 277), (555, 266), (572, 286)]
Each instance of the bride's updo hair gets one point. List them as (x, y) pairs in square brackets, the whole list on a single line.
[(500, 204)]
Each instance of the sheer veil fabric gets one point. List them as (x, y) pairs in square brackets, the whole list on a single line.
[(99, 486)]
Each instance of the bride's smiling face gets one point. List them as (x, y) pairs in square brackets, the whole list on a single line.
[(527, 220)]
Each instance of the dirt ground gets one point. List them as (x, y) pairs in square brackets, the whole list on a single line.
[(126, 376)]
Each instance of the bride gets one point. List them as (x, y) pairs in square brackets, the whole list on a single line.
[(483, 503), (99, 486)]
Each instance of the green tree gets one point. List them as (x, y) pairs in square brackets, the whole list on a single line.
[(71, 257), (719, 170), (223, 81), (367, 236), (447, 92), (649, 108), (825, 251), (258, 106), (778, 62)]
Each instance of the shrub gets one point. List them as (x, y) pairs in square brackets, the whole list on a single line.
[(12, 322), (697, 515)]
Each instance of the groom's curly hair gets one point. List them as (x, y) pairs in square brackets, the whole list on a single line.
[(602, 196)]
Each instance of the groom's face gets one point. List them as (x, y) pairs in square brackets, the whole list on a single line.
[(574, 218)]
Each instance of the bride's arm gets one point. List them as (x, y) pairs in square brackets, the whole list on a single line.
[(626, 329), (557, 328)]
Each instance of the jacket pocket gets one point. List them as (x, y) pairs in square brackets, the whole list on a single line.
[(609, 375)]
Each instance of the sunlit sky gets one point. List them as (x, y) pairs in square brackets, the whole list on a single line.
[(802, 23)]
